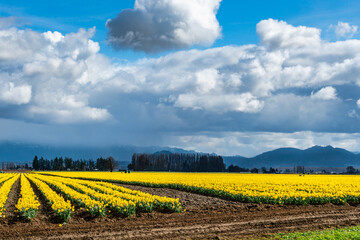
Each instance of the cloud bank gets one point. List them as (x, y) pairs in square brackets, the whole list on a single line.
[(293, 81), (165, 25)]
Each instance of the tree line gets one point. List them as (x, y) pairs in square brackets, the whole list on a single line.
[(297, 169), (179, 162), (235, 168), (14, 166), (67, 163)]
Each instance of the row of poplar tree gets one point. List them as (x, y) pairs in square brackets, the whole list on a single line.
[(180, 162)]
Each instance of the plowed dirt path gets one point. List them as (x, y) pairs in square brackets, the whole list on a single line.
[(205, 218)]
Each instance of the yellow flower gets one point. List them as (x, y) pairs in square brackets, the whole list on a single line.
[(262, 188)]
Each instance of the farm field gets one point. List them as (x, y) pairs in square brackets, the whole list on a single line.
[(63, 207), (279, 189)]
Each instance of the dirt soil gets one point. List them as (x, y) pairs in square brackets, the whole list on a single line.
[(205, 218)]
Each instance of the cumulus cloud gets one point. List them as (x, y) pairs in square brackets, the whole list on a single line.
[(274, 86), (154, 26), (358, 103), (276, 34), (17, 95), (344, 29), (326, 93), (46, 74)]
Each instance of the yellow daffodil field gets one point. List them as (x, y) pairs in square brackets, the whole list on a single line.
[(261, 188), (149, 205), (103, 193), (65, 195)]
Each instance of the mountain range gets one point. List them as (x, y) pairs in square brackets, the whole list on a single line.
[(316, 156)]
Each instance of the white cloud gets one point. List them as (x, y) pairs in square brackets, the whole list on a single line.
[(70, 115), (257, 85), (233, 99), (154, 26), (326, 93), (206, 80), (276, 34), (17, 95), (62, 108), (45, 71), (245, 102), (344, 29), (53, 37)]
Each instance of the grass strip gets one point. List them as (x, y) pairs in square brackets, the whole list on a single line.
[(351, 233)]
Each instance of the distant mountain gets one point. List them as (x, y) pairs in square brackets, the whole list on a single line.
[(316, 156), (235, 160), (24, 153)]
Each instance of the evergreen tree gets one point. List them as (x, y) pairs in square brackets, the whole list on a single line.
[(36, 164), (68, 163)]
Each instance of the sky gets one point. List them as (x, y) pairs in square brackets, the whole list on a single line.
[(230, 77)]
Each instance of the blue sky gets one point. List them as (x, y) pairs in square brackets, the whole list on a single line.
[(237, 18), (232, 77)]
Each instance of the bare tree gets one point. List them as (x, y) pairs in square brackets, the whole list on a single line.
[(111, 163)]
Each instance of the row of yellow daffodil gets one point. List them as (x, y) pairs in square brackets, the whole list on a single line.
[(5, 189), (118, 204), (62, 208), (141, 198), (122, 200), (95, 207), (5, 176), (144, 201), (27, 205), (264, 188)]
